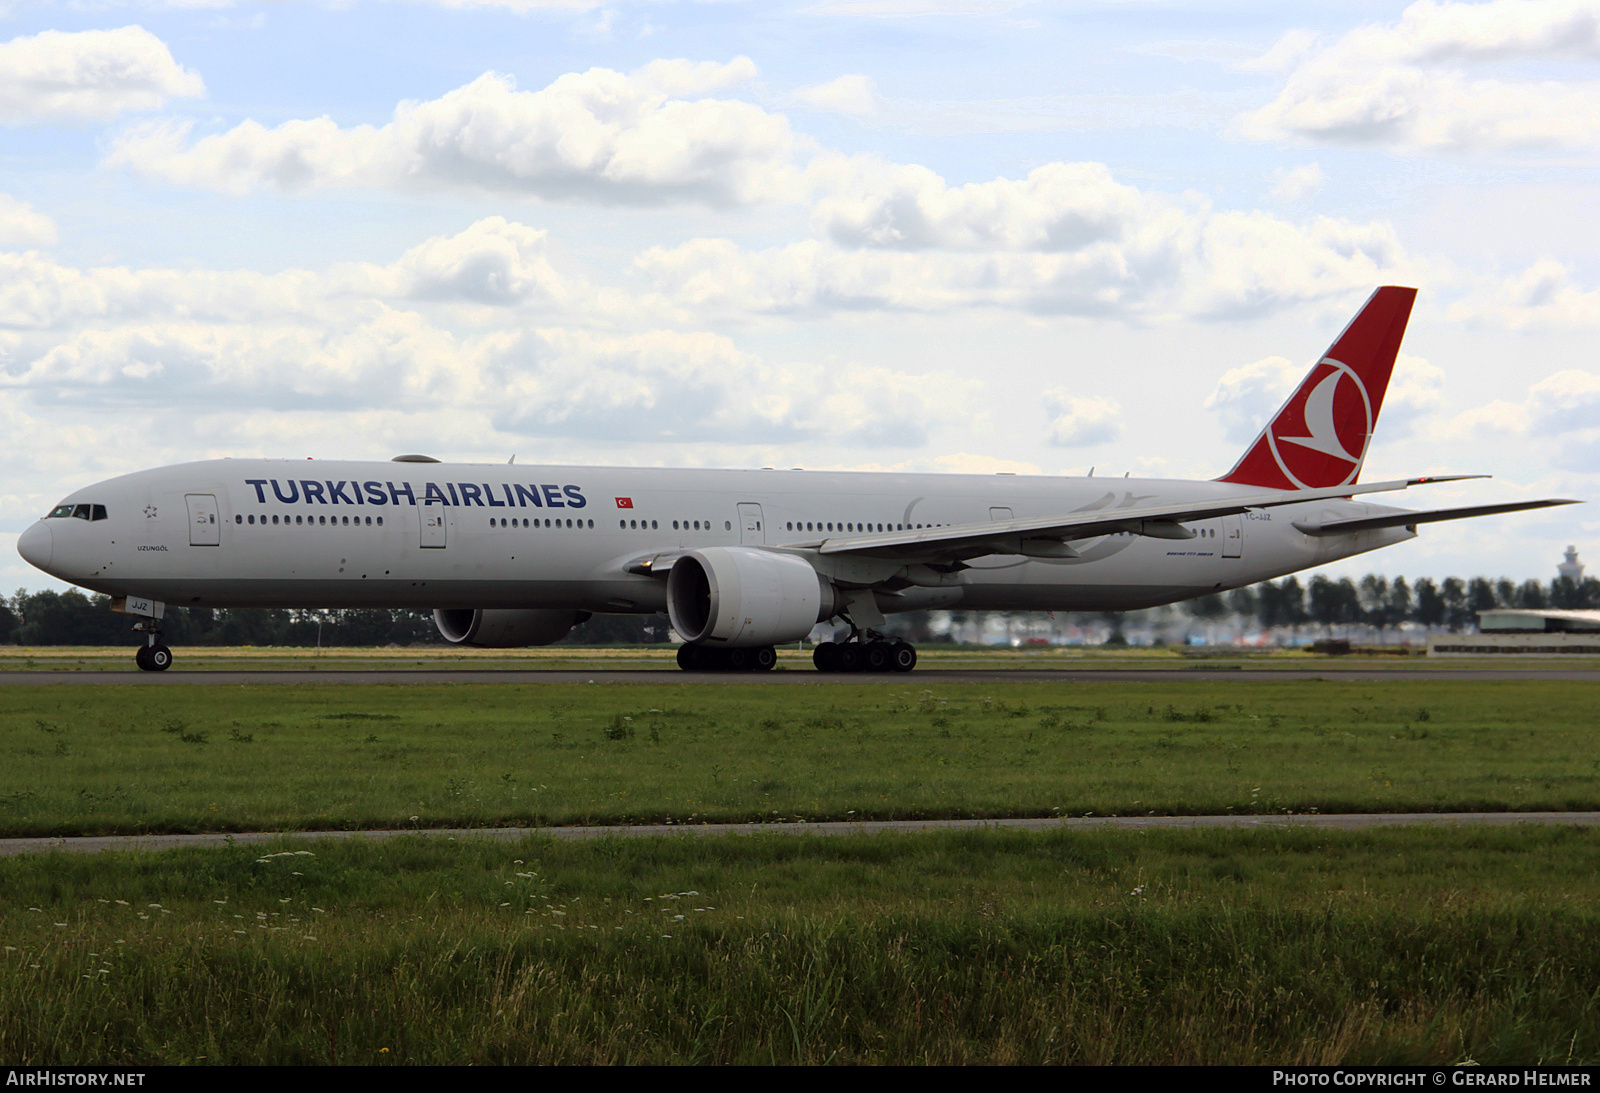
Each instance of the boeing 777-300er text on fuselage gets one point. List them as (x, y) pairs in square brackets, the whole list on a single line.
[(740, 561)]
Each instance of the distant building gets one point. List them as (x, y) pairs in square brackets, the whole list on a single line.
[(1572, 569), (1525, 631)]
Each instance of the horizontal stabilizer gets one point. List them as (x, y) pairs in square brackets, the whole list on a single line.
[(1410, 519)]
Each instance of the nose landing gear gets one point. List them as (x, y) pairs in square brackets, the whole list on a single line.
[(153, 656)]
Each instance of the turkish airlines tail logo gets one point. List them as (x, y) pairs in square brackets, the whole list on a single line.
[(1319, 437)]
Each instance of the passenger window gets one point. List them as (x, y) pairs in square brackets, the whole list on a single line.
[(237, 518)]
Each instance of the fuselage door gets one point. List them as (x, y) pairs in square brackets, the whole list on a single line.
[(1233, 536), (752, 531), (204, 527), (434, 525)]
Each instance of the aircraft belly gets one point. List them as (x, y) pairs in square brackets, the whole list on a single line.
[(616, 596)]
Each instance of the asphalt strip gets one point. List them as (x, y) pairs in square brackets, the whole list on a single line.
[(1347, 822)]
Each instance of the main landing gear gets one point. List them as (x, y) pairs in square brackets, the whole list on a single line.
[(701, 658), (874, 655), (152, 656)]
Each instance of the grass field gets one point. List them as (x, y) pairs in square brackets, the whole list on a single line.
[(105, 760), (1268, 946), (60, 658), (1421, 946)]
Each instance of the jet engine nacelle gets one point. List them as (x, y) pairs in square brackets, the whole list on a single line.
[(505, 629), (743, 597)]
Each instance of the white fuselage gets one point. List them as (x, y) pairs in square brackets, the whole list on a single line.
[(312, 533)]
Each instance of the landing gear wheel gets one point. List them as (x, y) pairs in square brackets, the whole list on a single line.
[(902, 657), (153, 658), (738, 660), (763, 659), (847, 657), (689, 658), (825, 657), (875, 657)]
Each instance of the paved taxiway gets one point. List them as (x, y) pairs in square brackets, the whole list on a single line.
[(1349, 822), (180, 678)]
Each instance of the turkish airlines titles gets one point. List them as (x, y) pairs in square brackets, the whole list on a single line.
[(460, 494)]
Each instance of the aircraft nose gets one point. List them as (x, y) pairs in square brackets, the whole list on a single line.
[(36, 545)]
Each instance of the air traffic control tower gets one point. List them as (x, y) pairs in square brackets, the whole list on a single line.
[(1571, 569)]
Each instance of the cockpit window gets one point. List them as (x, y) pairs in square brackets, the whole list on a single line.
[(82, 512)]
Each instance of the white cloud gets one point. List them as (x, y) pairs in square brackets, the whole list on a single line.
[(1246, 397), (89, 75), (426, 331), (1415, 395), (493, 263), (1561, 411), (1542, 295), (676, 386), (1567, 401), (21, 226), (901, 8), (597, 136), (521, 7), (1068, 239), (1080, 422), (1298, 184), (1059, 206), (1408, 85), (851, 94)]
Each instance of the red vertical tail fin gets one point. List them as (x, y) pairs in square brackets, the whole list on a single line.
[(1319, 437)]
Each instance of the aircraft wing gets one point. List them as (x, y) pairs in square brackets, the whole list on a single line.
[(1050, 536), (1407, 519)]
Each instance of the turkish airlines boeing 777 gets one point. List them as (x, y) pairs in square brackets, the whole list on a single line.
[(740, 560)]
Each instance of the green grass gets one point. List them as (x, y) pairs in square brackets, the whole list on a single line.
[(1282, 946), (661, 658), (109, 759)]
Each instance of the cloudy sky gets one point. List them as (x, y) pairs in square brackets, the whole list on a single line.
[(937, 235)]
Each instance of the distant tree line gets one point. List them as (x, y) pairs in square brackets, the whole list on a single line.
[(72, 618), (1451, 604)]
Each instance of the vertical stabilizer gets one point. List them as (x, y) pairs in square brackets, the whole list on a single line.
[(1319, 437)]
